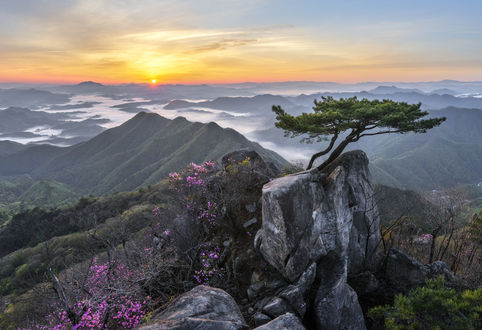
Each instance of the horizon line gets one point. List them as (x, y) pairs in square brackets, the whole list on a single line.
[(159, 84)]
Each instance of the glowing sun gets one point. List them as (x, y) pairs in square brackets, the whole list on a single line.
[(153, 81)]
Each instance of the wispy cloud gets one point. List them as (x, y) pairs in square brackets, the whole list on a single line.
[(234, 40)]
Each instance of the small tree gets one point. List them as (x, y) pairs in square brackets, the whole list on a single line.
[(360, 117), (432, 306)]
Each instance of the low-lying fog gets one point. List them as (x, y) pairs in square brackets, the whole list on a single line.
[(91, 109)]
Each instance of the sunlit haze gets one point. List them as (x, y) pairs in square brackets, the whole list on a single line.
[(154, 41)]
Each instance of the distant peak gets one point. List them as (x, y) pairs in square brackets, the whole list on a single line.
[(180, 118), (150, 115), (212, 124), (383, 89), (143, 114), (89, 83)]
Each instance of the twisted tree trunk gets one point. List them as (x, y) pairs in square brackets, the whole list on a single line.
[(324, 152)]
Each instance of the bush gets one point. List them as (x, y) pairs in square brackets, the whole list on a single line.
[(433, 306)]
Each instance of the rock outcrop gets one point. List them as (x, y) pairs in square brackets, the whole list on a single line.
[(283, 322), (259, 166), (201, 308), (404, 273), (319, 229), (318, 226)]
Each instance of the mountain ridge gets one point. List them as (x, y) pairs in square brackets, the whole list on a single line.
[(141, 151)]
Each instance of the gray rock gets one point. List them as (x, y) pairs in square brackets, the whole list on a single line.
[(261, 302), (201, 308), (162, 240), (404, 273), (254, 290), (296, 294), (365, 230), (440, 268), (250, 222), (275, 284), (260, 285), (260, 319), (237, 266), (283, 322), (328, 219), (257, 241), (156, 242), (251, 208), (228, 242), (338, 309), (276, 307), (365, 283), (195, 323), (259, 166), (286, 238)]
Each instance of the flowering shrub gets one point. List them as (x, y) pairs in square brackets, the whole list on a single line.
[(190, 187), (208, 213), (109, 302), (123, 312), (209, 264), (156, 211)]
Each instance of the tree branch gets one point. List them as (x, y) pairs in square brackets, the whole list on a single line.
[(324, 152), (382, 132)]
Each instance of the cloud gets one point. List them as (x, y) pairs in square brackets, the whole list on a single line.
[(228, 40)]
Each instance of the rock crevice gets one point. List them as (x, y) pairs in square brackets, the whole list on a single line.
[(324, 224)]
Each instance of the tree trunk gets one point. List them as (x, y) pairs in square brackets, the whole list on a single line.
[(432, 245), (337, 152), (324, 152), (447, 245), (314, 157)]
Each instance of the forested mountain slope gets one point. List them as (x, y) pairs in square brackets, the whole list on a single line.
[(139, 152)]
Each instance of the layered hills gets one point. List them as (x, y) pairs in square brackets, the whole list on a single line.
[(139, 152), (445, 156)]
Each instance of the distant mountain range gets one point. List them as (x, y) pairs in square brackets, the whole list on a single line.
[(258, 103), (30, 97), (445, 156), (139, 152), (264, 102), (23, 123)]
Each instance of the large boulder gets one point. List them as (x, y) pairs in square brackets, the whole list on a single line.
[(404, 273), (201, 308), (259, 166), (328, 219), (338, 308), (283, 322)]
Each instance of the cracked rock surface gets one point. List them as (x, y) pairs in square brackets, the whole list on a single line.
[(203, 307), (324, 223)]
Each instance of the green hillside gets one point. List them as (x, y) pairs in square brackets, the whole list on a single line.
[(394, 203), (9, 147), (446, 156), (141, 151), (48, 194), (439, 163), (22, 192)]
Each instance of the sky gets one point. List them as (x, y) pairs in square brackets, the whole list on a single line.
[(225, 41)]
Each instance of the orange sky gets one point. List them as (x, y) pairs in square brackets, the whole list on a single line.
[(235, 41)]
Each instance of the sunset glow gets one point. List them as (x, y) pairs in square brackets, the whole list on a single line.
[(230, 41)]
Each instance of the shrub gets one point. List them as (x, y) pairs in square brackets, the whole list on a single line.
[(433, 306), (112, 299)]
